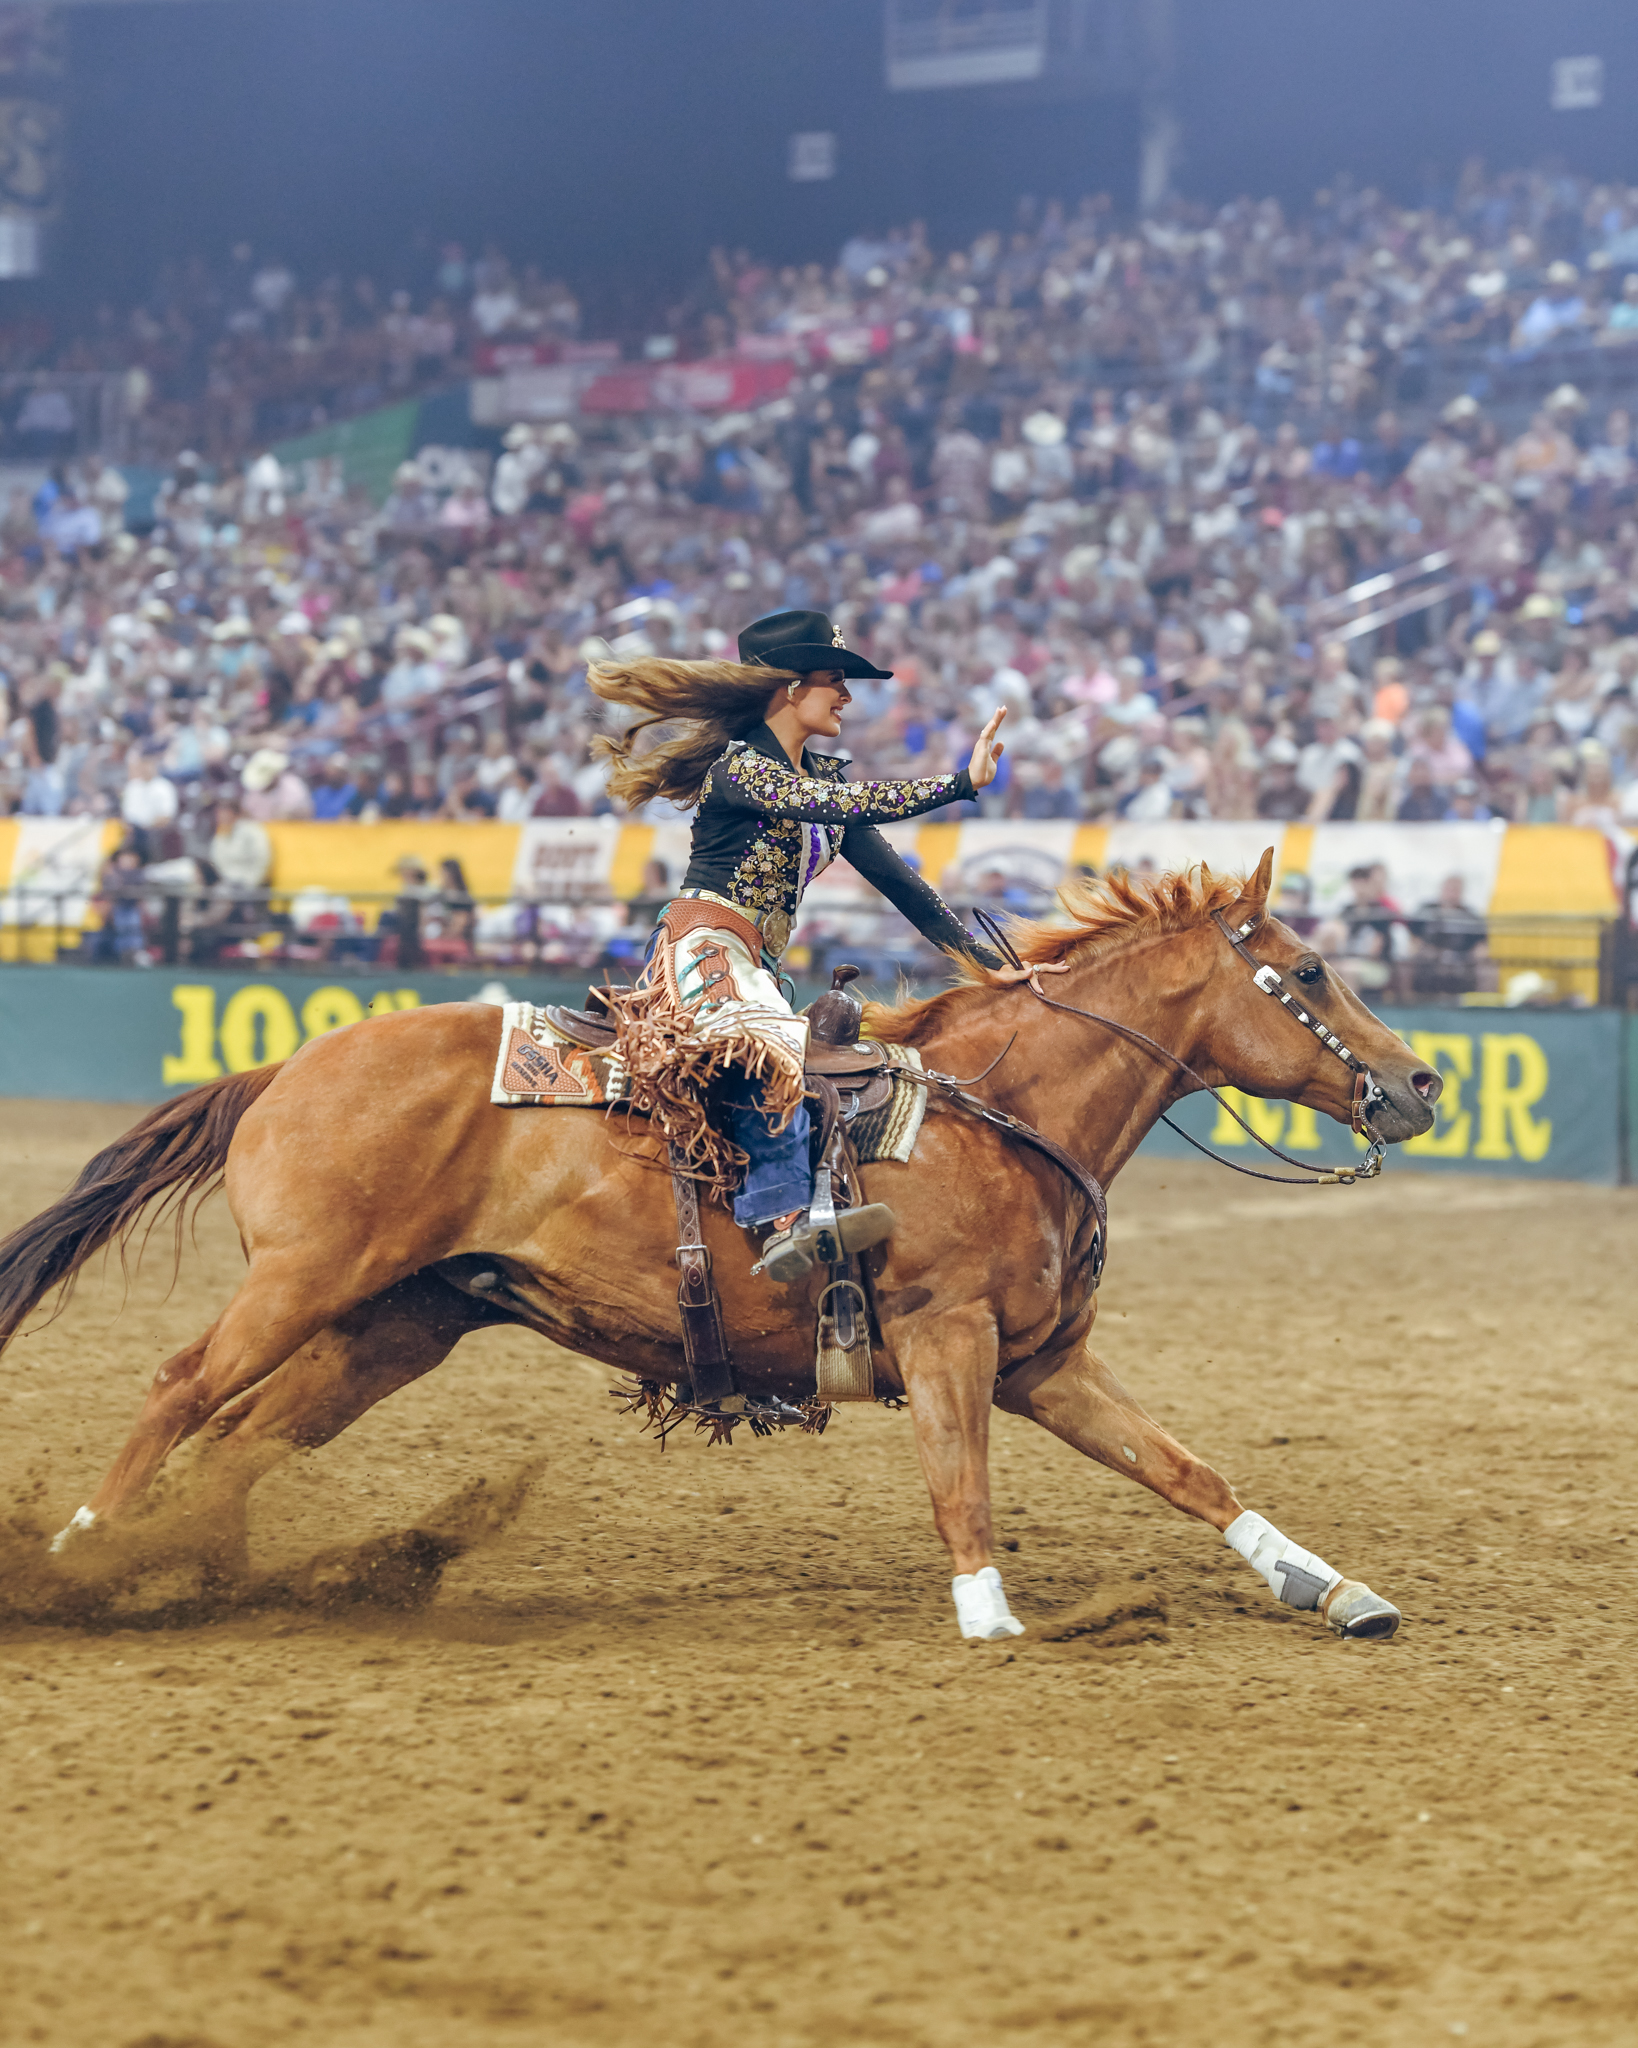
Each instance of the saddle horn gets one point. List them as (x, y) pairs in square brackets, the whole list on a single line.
[(835, 1017)]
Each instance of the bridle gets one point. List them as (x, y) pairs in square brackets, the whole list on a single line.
[(1367, 1091)]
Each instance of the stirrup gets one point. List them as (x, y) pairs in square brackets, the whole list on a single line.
[(789, 1254)]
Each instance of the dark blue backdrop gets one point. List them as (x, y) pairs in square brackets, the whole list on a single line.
[(619, 138)]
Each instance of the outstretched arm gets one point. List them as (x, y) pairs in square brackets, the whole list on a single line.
[(865, 850), (749, 781)]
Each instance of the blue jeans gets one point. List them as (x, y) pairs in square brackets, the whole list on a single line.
[(777, 1178)]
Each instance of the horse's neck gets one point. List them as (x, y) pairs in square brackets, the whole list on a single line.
[(1079, 1083)]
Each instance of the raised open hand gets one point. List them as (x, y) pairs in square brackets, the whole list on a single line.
[(987, 751)]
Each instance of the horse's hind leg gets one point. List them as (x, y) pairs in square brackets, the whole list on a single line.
[(340, 1372), (1079, 1399), (284, 1300)]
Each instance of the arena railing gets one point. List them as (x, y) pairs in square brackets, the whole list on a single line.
[(1429, 957), (1378, 601)]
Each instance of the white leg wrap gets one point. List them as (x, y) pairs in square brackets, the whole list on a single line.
[(82, 1519), (1295, 1576), (981, 1606)]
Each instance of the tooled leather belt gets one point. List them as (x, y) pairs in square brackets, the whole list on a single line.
[(770, 933)]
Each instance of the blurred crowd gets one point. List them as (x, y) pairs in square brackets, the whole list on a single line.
[(219, 357), (1020, 472)]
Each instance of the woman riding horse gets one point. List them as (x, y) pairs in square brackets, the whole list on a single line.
[(771, 815)]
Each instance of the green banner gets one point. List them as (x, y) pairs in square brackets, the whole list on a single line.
[(369, 448), (1536, 1092), (113, 1035)]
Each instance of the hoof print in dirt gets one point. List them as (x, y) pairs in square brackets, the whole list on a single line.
[(1110, 1628)]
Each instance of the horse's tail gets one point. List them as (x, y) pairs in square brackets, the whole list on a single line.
[(178, 1150)]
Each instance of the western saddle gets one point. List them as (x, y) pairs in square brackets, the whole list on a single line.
[(834, 1052), (846, 1079)]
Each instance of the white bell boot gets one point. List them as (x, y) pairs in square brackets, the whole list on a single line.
[(981, 1606)]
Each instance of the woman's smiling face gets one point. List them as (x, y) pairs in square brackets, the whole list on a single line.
[(819, 700)]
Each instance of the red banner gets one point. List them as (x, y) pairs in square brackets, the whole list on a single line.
[(716, 384), (515, 352)]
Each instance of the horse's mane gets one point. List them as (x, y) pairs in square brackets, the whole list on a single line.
[(1106, 914)]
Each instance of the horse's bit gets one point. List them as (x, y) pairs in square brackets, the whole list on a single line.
[(1366, 1095)]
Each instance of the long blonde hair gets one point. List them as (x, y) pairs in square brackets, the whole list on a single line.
[(712, 702)]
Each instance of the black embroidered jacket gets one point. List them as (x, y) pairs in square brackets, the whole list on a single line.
[(763, 832)]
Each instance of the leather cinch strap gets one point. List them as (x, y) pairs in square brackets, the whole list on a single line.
[(705, 1343)]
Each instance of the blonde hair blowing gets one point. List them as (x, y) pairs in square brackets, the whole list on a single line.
[(712, 702)]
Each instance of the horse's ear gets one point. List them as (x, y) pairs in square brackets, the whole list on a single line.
[(1252, 907)]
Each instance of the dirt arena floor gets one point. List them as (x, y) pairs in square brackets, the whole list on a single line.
[(685, 1748)]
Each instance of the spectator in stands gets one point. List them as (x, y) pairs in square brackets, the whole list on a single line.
[(1293, 904), (1050, 796), (335, 791), (1466, 805), (555, 795), (1423, 800), (1557, 309), (148, 804), (240, 850), (118, 930), (273, 789), (1279, 793), (1151, 593)]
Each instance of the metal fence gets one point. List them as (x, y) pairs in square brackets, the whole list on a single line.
[(1445, 958)]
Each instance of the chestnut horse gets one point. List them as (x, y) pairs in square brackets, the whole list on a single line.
[(373, 1182)]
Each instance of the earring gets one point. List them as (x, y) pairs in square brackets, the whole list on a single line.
[(791, 690)]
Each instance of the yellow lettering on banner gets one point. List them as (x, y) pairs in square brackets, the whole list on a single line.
[(327, 1009), (1302, 1134), (1267, 1119), (197, 1060), (1505, 1101), (249, 1008), (1450, 1054)]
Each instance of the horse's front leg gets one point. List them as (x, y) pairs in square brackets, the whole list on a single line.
[(949, 1362), (1079, 1399)]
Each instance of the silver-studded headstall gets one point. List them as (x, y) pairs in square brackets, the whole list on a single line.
[(1368, 1092)]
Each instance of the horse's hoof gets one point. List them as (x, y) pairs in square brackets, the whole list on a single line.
[(998, 1632), (1358, 1614), (81, 1521), (981, 1607)]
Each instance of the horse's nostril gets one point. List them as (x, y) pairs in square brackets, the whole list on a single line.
[(1428, 1084)]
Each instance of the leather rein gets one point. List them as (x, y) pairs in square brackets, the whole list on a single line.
[(1367, 1092), (1091, 1187)]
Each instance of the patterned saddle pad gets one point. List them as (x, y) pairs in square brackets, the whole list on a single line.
[(538, 1068)]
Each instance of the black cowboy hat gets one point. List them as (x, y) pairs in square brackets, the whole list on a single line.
[(801, 642)]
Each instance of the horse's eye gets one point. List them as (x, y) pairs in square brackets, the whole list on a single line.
[(1311, 974)]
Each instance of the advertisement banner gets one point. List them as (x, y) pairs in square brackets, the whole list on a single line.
[(51, 867), (560, 860), (1537, 1093), (1416, 861), (1228, 846), (134, 1035), (715, 384)]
